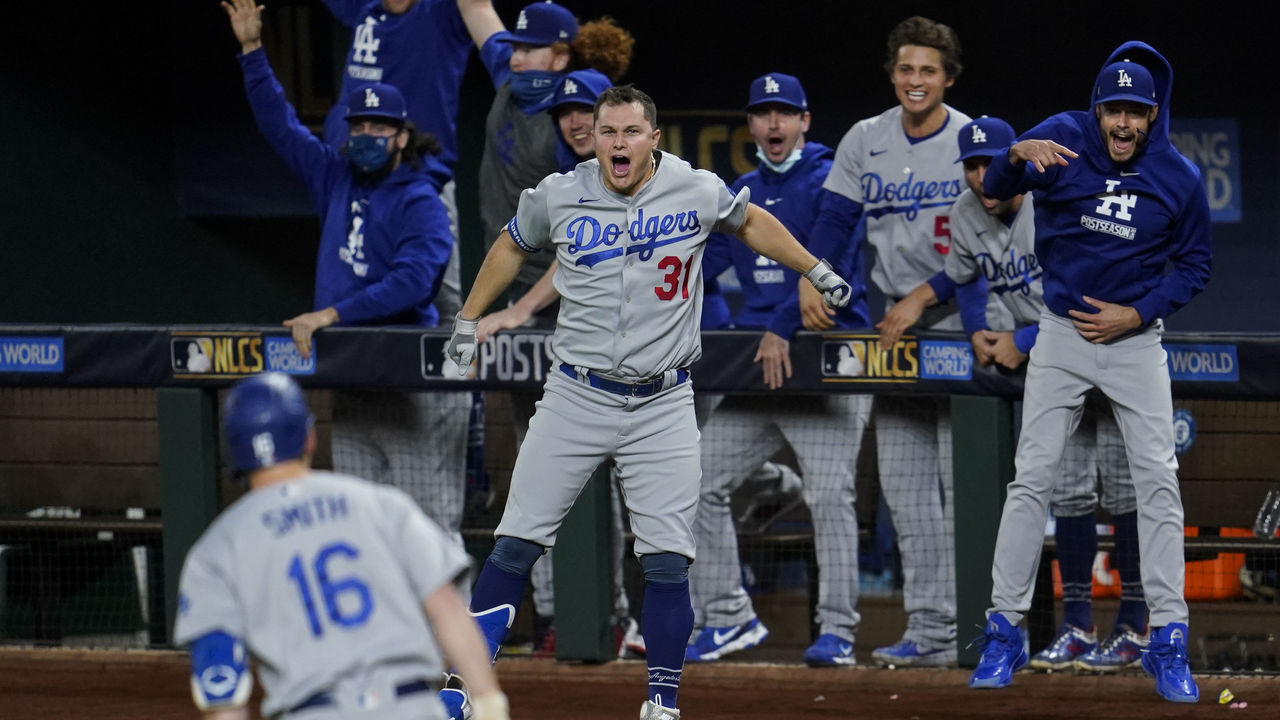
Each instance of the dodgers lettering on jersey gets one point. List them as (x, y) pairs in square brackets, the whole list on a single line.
[(646, 235), (905, 189), (630, 276), (1004, 255)]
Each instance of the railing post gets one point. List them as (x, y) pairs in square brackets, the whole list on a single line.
[(982, 459), (583, 577), (188, 477)]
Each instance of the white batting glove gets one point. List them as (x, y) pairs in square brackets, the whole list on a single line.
[(492, 706), (835, 291), (462, 344)]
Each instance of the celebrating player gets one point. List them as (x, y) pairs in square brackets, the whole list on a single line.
[(628, 230), (341, 590), (897, 172), (745, 431), (421, 47), (384, 244), (572, 111), (1107, 224), (993, 250)]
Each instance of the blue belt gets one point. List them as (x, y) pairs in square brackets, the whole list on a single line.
[(618, 387), (324, 699)]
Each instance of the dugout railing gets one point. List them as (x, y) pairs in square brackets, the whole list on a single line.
[(185, 367)]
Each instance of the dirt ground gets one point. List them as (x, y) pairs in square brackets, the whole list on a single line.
[(72, 684)]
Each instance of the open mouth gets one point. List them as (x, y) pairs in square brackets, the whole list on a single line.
[(621, 165), (917, 94), (1122, 142), (773, 144)]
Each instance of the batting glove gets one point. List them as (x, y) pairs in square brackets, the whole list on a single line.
[(462, 344), (835, 291)]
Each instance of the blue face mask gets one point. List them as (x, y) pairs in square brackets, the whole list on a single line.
[(534, 89), (783, 166), (368, 153)]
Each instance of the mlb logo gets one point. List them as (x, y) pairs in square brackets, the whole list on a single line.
[(191, 354), (844, 358)]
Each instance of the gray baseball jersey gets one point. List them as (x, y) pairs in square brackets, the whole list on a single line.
[(323, 579), (630, 277), (906, 187), (906, 190), (983, 245)]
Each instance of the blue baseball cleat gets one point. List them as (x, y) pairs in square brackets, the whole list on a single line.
[(909, 653), (1071, 643), (1004, 652), (714, 643), (1166, 661), (829, 651), (1123, 649)]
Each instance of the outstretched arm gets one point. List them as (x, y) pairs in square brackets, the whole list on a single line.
[(498, 270), (481, 19), (542, 294)]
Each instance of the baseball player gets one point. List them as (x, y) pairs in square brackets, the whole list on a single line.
[(743, 432), (897, 173), (1115, 203), (384, 243), (422, 48), (628, 230), (572, 111), (993, 253), (341, 590)]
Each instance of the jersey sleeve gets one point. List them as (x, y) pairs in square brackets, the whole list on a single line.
[(1190, 260), (731, 209), (531, 227), (846, 170), (496, 56), (429, 557), (961, 264), (207, 600)]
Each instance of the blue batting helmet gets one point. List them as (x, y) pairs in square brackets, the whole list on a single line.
[(265, 420)]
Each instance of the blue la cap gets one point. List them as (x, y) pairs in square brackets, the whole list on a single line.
[(777, 88), (1124, 80), (541, 24), (376, 100), (985, 137), (581, 87)]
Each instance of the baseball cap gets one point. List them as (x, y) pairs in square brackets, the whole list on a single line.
[(984, 137), (376, 100), (1124, 80), (543, 23), (777, 88), (581, 87)]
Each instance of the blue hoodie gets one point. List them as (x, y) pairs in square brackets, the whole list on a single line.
[(1107, 230), (382, 247), (768, 288)]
